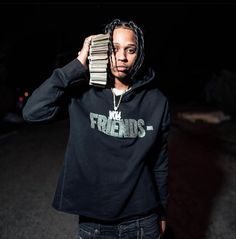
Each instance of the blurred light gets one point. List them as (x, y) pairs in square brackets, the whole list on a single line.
[(21, 98), (26, 94)]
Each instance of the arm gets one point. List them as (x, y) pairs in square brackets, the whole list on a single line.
[(160, 168), (45, 102)]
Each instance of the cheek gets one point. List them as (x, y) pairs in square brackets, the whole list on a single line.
[(132, 59), (112, 60), (112, 64)]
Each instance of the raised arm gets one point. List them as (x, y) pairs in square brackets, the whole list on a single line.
[(45, 102)]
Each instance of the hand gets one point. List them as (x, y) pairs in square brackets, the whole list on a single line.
[(84, 52), (162, 225)]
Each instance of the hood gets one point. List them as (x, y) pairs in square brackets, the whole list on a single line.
[(144, 77)]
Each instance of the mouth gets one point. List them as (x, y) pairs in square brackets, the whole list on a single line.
[(122, 68)]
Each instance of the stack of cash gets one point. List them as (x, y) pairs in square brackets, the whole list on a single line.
[(98, 60)]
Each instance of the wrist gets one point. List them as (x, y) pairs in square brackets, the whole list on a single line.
[(83, 57)]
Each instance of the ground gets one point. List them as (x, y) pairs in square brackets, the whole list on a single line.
[(202, 181)]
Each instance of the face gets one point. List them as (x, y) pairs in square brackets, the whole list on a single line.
[(124, 54)]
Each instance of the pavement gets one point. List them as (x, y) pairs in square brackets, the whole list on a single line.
[(222, 134), (202, 180), (202, 176)]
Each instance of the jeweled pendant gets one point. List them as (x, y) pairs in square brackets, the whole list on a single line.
[(114, 115)]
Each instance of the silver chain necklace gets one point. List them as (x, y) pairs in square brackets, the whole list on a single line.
[(114, 100)]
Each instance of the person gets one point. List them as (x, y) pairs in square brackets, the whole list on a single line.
[(115, 171)]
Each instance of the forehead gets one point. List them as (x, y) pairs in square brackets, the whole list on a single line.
[(121, 35)]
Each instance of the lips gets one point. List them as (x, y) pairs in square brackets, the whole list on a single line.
[(121, 68)]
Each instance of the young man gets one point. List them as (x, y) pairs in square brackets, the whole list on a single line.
[(115, 170)]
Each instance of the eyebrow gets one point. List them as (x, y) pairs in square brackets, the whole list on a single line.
[(131, 44)]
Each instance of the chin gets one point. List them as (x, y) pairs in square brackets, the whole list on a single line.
[(120, 75)]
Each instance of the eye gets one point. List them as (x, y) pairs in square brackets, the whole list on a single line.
[(131, 50)]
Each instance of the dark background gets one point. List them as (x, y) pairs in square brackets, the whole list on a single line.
[(187, 43)]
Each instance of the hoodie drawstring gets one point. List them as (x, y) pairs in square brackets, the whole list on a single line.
[(140, 233)]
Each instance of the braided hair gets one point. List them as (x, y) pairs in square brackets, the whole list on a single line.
[(117, 23)]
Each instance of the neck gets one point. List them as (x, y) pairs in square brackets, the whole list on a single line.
[(120, 85)]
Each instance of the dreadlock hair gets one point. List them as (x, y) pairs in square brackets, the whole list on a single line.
[(117, 23)]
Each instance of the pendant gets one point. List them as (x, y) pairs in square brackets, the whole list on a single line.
[(114, 115)]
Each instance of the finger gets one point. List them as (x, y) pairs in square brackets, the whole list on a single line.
[(87, 41)]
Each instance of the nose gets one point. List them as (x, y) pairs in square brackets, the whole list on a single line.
[(121, 55)]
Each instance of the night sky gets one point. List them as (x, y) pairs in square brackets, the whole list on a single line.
[(185, 43)]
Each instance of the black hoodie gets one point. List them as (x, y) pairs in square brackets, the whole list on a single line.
[(116, 165)]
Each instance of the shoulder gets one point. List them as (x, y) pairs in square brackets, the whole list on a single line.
[(155, 94), (150, 82)]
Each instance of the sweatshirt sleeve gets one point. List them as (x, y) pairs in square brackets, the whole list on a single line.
[(160, 168), (44, 103)]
